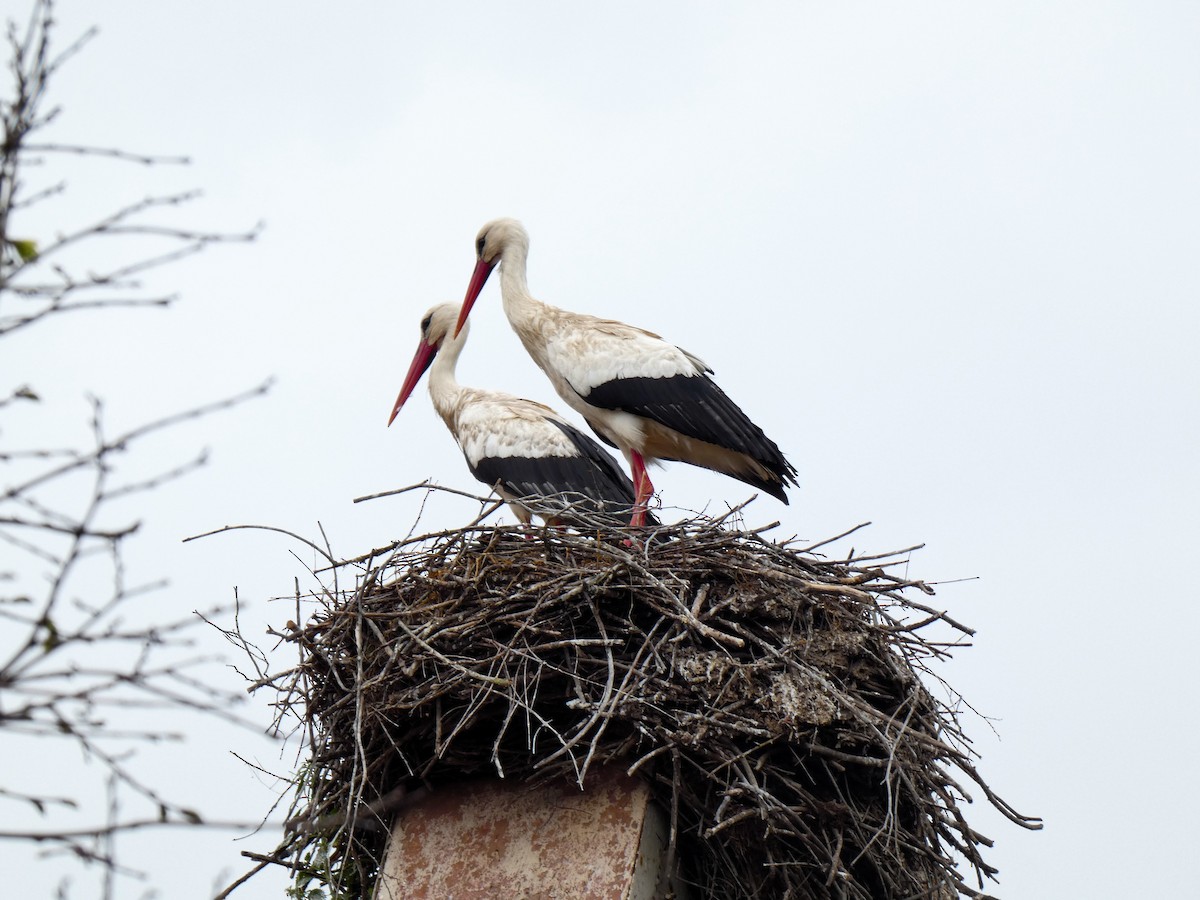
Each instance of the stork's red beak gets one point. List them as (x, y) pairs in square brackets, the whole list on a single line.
[(478, 279), (424, 356)]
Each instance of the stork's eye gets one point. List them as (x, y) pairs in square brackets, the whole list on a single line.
[(479, 246), (425, 323)]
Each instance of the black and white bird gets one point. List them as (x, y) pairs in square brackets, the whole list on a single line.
[(534, 459), (639, 393)]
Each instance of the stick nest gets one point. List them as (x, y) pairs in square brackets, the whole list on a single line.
[(772, 698)]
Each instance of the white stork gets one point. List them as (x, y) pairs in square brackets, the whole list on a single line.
[(639, 393), (536, 460)]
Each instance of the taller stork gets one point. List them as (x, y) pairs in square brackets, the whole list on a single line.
[(649, 398)]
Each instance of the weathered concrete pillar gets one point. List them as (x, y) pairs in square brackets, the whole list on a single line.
[(496, 839)]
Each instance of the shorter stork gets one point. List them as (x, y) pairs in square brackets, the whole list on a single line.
[(536, 460)]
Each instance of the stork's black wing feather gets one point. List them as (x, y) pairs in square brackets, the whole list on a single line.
[(590, 482), (695, 406)]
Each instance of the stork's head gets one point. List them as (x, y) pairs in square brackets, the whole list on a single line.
[(436, 328), (496, 237), (496, 241)]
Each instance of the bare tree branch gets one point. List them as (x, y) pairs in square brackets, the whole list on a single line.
[(83, 660), (111, 152)]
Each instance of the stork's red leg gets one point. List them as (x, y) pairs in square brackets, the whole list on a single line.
[(642, 487)]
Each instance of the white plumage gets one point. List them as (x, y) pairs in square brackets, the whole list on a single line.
[(640, 393), (489, 424), (534, 458)]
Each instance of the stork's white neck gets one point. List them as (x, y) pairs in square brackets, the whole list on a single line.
[(444, 388), (519, 305)]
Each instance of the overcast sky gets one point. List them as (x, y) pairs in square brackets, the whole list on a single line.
[(945, 254)]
